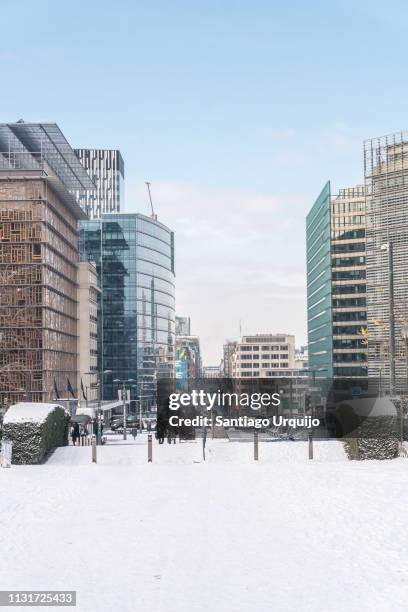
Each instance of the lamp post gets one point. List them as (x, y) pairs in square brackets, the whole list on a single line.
[(123, 383), (98, 413), (391, 315)]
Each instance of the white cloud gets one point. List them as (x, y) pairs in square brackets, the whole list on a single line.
[(239, 256)]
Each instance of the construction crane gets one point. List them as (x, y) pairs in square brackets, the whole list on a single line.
[(151, 201)]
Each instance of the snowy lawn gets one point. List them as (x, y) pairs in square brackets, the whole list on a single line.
[(227, 535)]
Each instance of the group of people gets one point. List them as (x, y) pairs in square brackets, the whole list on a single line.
[(164, 431), (79, 431)]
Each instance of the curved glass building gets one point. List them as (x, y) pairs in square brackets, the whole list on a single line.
[(134, 255)]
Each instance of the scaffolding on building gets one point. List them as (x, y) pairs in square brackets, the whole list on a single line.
[(386, 179)]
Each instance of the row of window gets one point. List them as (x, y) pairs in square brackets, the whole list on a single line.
[(264, 365), (268, 347), (266, 356)]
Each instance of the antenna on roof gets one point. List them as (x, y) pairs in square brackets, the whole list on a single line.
[(151, 201)]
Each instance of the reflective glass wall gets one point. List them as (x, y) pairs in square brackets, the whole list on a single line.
[(135, 262)]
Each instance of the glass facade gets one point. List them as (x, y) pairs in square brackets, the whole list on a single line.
[(135, 263), (337, 314), (319, 286)]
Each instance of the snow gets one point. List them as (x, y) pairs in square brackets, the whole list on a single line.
[(27, 412), (229, 534)]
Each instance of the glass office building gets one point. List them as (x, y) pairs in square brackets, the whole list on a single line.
[(319, 286), (107, 171), (134, 255), (336, 283)]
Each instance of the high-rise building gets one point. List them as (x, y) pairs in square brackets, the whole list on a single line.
[(336, 286), (88, 299), (229, 349), (107, 171), (39, 173), (260, 355), (183, 327), (386, 176), (134, 256)]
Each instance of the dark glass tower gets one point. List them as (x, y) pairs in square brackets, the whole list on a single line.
[(135, 263)]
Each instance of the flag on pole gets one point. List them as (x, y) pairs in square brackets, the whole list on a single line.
[(83, 391), (70, 389), (56, 392)]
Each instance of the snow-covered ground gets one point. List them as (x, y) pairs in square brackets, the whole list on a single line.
[(228, 535)]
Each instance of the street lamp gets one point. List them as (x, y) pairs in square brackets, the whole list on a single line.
[(98, 413), (123, 383)]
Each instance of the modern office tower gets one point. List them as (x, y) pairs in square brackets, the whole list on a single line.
[(107, 171), (188, 357), (39, 173), (260, 355), (183, 327), (348, 254), (88, 299), (229, 349), (336, 286), (386, 176), (134, 256), (319, 286)]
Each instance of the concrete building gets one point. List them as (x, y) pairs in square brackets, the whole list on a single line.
[(39, 175), (88, 298), (262, 354), (211, 372), (107, 171), (336, 287), (386, 180)]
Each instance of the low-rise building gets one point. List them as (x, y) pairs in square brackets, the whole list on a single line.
[(263, 354)]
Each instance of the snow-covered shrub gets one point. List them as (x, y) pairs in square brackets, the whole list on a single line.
[(34, 429)]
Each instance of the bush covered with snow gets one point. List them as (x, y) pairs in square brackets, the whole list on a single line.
[(35, 429)]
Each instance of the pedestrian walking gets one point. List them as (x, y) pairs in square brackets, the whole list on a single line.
[(75, 433)]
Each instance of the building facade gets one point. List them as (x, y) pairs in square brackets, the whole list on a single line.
[(319, 285), (229, 349), (348, 255), (107, 172), (188, 357), (88, 300), (386, 180), (260, 355), (39, 173), (134, 256), (183, 327), (336, 283)]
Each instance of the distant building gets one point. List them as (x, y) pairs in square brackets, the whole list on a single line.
[(188, 357), (183, 327), (260, 355), (88, 298), (107, 171), (211, 372), (229, 349), (301, 358)]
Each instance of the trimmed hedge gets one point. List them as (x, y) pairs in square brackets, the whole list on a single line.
[(32, 440)]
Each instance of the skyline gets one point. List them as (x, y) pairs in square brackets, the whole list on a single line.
[(237, 114)]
